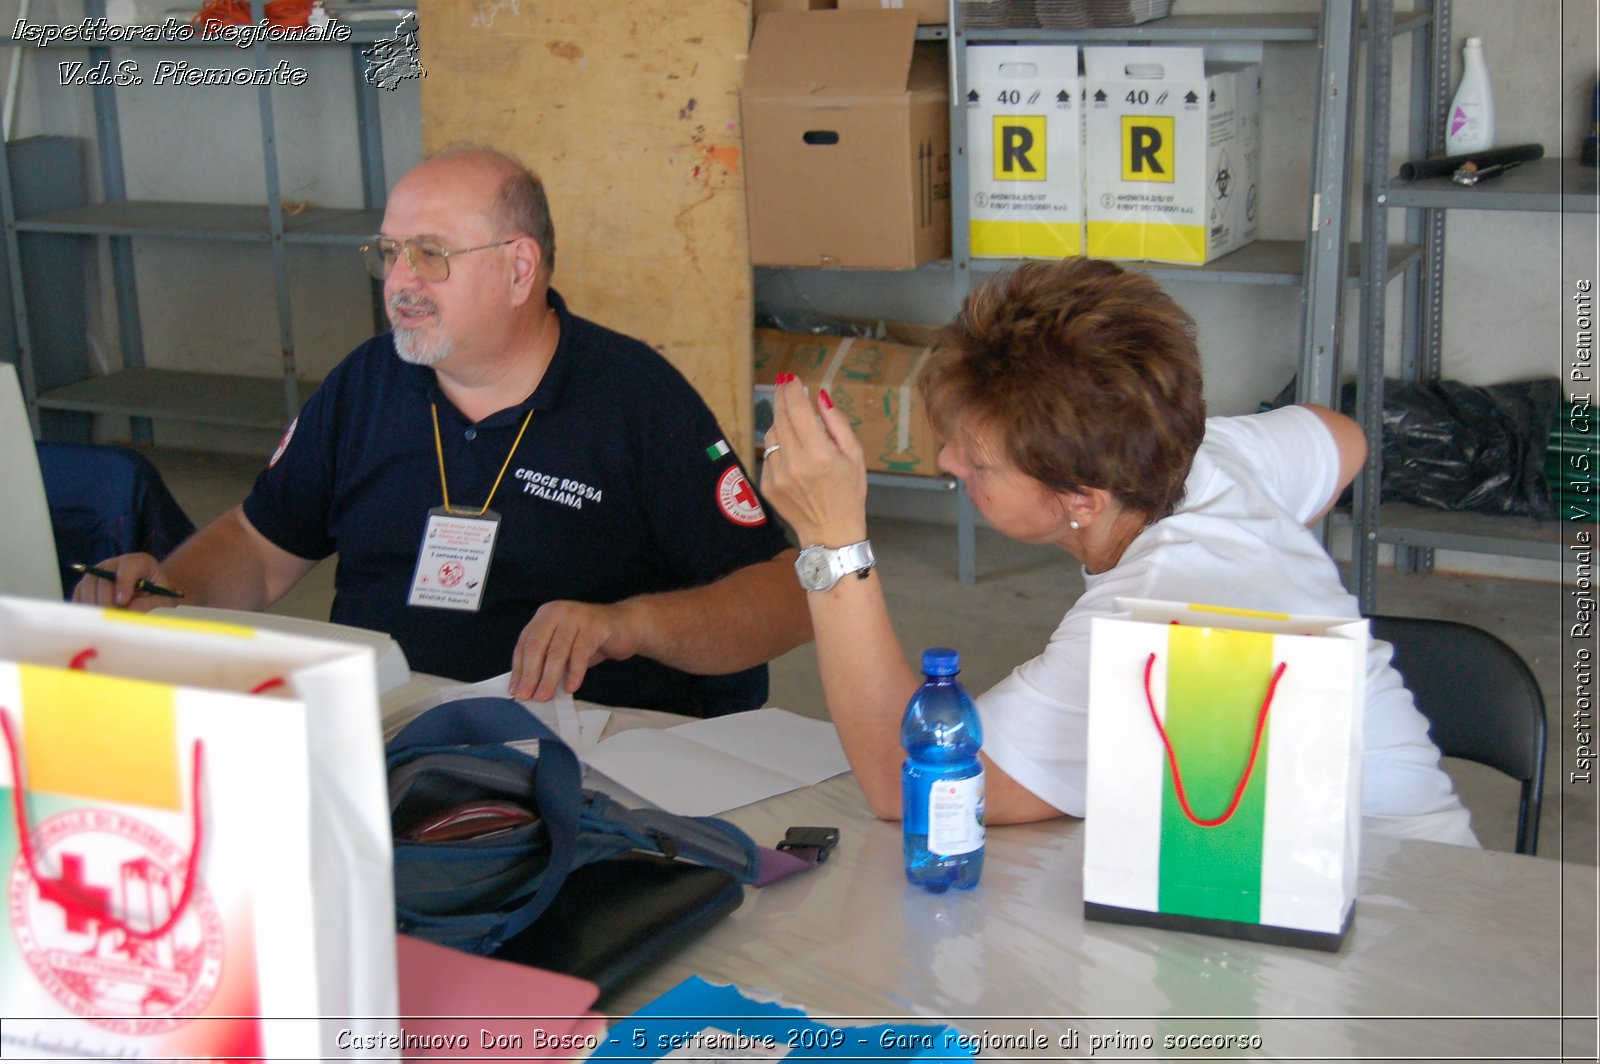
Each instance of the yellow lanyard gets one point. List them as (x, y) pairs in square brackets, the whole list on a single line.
[(438, 449)]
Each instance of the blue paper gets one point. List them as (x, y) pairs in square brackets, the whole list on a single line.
[(719, 1023)]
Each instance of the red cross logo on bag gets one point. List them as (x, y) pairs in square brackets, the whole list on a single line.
[(114, 863)]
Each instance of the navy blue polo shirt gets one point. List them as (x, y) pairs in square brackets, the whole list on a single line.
[(620, 486)]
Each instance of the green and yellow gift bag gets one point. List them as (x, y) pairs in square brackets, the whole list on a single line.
[(1224, 789)]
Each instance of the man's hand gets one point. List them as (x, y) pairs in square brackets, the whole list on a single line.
[(564, 639), (130, 569), (736, 622)]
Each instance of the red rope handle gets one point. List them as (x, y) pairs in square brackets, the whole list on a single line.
[(72, 900), (80, 662), (1172, 755)]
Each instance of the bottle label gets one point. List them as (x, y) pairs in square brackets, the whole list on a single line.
[(955, 816)]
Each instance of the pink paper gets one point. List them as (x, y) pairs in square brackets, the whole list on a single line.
[(455, 1004)]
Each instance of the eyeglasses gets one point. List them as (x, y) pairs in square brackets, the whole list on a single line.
[(429, 261)]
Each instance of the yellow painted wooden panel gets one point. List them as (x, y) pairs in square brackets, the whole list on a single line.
[(629, 110)]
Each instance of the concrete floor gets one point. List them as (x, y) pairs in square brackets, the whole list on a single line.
[(1019, 597)]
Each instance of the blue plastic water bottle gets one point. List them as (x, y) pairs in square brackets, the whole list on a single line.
[(942, 779)]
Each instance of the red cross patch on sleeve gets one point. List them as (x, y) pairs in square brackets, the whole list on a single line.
[(283, 444), (738, 498)]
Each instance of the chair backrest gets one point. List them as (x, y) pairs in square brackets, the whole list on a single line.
[(105, 501), (1481, 700), (27, 543)]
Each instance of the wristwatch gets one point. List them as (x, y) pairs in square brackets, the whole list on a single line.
[(822, 567)]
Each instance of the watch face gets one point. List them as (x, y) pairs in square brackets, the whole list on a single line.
[(813, 569)]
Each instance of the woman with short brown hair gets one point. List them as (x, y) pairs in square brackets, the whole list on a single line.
[(1069, 395), (1092, 371)]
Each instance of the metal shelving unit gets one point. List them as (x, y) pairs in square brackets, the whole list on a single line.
[(1555, 185), (1323, 266), (1317, 265), (141, 391), (1545, 185), (1261, 262), (1188, 29)]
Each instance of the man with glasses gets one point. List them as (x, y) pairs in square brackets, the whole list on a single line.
[(507, 485)]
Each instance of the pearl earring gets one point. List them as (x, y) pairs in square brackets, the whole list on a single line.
[(1074, 525)]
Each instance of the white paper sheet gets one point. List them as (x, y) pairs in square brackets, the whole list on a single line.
[(579, 724), (710, 766)]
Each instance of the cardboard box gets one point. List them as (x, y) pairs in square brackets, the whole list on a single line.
[(766, 7), (1024, 151), (928, 12), (873, 382), (1173, 154), (847, 142)]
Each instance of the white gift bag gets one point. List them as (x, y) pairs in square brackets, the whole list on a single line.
[(1224, 789), (196, 841)]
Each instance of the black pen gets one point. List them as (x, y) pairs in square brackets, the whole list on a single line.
[(139, 585)]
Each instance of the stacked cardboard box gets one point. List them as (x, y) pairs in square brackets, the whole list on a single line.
[(928, 12), (766, 7), (847, 142), (1025, 151), (1173, 154), (873, 382), (1153, 155)]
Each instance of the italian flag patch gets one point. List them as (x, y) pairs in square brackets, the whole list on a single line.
[(717, 450)]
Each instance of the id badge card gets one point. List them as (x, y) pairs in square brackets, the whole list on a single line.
[(454, 560)]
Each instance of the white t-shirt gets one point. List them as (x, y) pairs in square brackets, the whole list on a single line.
[(1238, 539)]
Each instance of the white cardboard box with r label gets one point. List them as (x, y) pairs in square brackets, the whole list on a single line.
[(1024, 151), (1173, 154)]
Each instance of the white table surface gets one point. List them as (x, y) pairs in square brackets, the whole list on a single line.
[(1454, 953)]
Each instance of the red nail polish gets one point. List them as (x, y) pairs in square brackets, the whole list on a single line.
[(827, 402)]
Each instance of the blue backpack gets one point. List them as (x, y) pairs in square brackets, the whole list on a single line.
[(503, 827)]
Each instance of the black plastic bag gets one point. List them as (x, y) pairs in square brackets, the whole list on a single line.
[(1453, 446)]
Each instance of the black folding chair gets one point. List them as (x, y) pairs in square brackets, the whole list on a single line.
[(1481, 700)]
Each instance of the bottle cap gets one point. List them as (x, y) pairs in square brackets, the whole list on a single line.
[(940, 661), (1474, 42)]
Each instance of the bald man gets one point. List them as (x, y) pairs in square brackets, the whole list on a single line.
[(507, 485)]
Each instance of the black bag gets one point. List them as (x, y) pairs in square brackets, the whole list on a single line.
[(1454, 446), (486, 834), (617, 919)]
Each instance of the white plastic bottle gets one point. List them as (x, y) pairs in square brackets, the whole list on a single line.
[(1470, 125)]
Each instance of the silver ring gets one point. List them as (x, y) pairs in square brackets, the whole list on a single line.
[(770, 451)]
